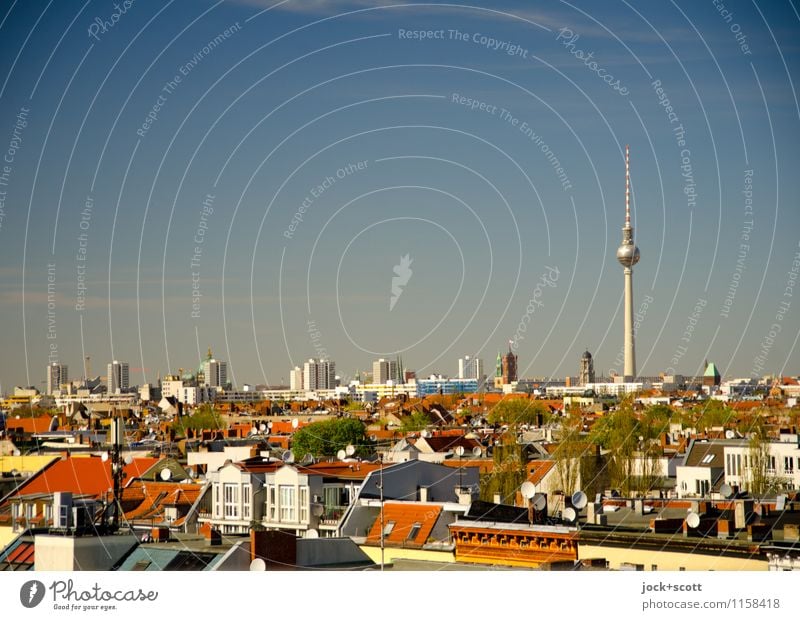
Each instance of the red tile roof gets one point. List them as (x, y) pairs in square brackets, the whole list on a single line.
[(404, 516), (537, 470), (80, 475)]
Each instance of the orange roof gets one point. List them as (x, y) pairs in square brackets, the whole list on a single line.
[(80, 475), (406, 523), (537, 470), (29, 424), (485, 466), (154, 496), (341, 469)]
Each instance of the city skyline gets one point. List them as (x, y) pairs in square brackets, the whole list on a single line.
[(354, 181)]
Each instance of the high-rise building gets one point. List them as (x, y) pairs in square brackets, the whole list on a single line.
[(296, 378), (470, 368), (319, 375), (383, 371), (628, 256), (56, 375), (215, 372), (587, 369), (117, 377)]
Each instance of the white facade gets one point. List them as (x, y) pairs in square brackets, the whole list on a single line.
[(56, 375), (319, 375), (783, 463), (215, 373), (291, 497), (237, 499), (470, 368), (117, 377), (296, 379)]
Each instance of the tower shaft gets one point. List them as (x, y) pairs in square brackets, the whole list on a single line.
[(630, 350)]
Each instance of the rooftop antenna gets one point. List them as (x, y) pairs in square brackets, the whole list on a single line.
[(380, 487)]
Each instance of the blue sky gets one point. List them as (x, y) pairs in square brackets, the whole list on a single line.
[(484, 202)]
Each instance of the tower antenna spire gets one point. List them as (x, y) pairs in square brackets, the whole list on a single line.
[(627, 187)]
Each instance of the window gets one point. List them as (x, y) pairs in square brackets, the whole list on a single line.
[(304, 504), (387, 529), (707, 458), (412, 533), (246, 501), (738, 464), (788, 464), (287, 503), (217, 500), (728, 467), (230, 493), (271, 502)]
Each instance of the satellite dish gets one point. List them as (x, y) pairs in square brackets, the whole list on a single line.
[(53, 424), (570, 515), (312, 534), (726, 490), (729, 434), (579, 500), (295, 423), (253, 430), (693, 520), (317, 509), (308, 459), (540, 501), (476, 451), (104, 456), (17, 452), (262, 427), (127, 459), (288, 456), (350, 450), (373, 437), (258, 565), (341, 455), (269, 425), (527, 490), (460, 450), (165, 474)]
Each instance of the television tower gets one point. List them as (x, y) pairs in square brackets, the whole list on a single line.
[(628, 256)]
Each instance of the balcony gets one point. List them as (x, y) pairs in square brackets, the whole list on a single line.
[(332, 515)]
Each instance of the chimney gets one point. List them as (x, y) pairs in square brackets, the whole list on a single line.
[(423, 494)]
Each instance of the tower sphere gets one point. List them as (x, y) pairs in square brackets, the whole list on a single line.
[(628, 255)]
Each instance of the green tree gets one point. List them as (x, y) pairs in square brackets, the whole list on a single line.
[(415, 422), (327, 437), (508, 472), (203, 417), (518, 411)]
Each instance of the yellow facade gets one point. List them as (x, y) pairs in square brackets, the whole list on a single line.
[(669, 560)]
